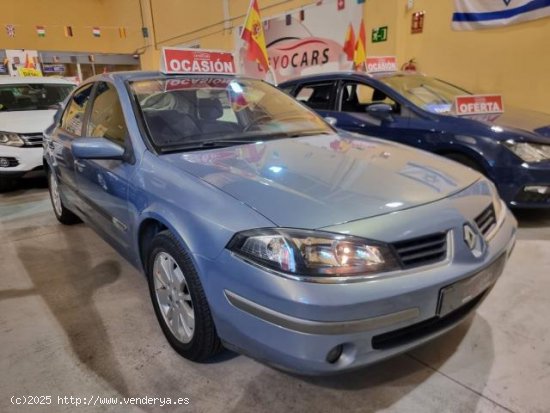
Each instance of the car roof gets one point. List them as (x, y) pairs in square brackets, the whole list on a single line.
[(15, 80), (347, 74)]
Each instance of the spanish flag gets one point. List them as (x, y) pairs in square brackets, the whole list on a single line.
[(253, 35), (360, 54), (349, 44)]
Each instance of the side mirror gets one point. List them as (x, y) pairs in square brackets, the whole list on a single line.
[(96, 148), (331, 121), (380, 111)]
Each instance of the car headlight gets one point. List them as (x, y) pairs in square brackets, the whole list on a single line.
[(11, 139), (529, 152), (314, 253)]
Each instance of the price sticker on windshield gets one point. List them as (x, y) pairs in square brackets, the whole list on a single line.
[(197, 61), (478, 104)]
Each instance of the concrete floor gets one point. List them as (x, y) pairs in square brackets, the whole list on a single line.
[(76, 320)]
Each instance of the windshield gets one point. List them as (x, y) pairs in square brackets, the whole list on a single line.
[(32, 96), (186, 113), (429, 93)]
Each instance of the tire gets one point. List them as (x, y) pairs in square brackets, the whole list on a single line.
[(7, 184), (466, 161), (63, 215), (180, 293)]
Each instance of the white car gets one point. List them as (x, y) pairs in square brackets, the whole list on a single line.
[(27, 107)]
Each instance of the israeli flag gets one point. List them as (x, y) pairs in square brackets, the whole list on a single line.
[(483, 14)]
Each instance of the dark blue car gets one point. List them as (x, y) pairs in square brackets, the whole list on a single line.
[(512, 149)]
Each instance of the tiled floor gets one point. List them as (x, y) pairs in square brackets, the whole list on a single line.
[(76, 320)]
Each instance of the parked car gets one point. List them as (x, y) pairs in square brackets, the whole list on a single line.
[(27, 106), (512, 149), (262, 228)]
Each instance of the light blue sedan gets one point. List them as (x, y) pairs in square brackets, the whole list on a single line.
[(262, 229)]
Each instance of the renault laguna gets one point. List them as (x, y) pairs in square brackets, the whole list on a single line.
[(262, 229)]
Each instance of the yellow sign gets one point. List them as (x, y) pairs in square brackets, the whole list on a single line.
[(26, 72)]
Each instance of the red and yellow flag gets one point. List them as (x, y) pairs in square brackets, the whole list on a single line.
[(253, 35), (29, 62), (349, 44), (360, 54)]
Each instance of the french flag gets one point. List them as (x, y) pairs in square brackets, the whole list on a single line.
[(483, 14)]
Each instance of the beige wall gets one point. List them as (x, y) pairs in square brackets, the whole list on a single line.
[(514, 60), (82, 15)]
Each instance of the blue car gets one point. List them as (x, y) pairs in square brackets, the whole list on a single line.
[(261, 228), (512, 149)]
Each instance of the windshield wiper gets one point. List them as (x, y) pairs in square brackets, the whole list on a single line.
[(299, 134), (222, 143)]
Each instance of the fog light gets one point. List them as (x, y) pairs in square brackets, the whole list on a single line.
[(538, 189), (4, 162), (334, 354)]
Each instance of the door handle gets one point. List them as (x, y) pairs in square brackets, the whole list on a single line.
[(79, 165)]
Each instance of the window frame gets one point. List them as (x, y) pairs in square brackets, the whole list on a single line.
[(127, 140), (67, 106), (344, 82), (332, 98)]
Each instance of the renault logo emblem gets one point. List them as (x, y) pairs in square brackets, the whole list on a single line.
[(470, 237)]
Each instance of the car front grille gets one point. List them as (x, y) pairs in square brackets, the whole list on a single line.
[(32, 140), (424, 250), (486, 220)]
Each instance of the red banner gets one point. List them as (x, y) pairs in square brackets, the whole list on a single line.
[(381, 64), (197, 61), (478, 104), (182, 83)]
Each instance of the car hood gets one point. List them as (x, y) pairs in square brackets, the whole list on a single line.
[(322, 180), (518, 121), (27, 121)]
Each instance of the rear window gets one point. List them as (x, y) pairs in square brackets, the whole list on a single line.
[(32, 96)]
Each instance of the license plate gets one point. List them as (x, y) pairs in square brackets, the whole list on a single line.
[(461, 292)]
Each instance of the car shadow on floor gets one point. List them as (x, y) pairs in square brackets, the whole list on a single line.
[(381, 385), (66, 280), (38, 182), (532, 218)]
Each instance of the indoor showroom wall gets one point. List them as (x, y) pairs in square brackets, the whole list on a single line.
[(81, 15), (514, 60)]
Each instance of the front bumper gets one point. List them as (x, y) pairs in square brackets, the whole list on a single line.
[(294, 325), (512, 182), (28, 161)]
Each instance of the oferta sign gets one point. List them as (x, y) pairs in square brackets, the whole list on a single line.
[(478, 104)]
